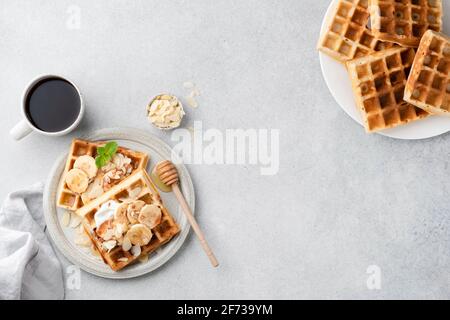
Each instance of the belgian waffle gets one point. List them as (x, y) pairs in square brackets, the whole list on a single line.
[(117, 258), (428, 85), (404, 21), (346, 36), (70, 200), (378, 82)]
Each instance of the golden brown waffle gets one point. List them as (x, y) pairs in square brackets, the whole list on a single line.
[(404, 21), (117, 258), (378, 84), (70, 200), (428, 85), (346, 36)]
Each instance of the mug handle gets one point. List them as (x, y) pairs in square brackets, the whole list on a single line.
[(20, 130)]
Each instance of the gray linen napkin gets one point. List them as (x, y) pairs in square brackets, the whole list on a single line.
[(29, 268)]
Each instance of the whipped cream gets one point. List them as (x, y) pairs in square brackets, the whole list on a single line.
[(165, 112), (105, 213)]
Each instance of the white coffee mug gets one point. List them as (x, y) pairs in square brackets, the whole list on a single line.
[(25, 126)]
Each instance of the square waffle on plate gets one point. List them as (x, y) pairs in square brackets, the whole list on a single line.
[(428, 86), (347, 35), (128, 222), (378, 82), (124, 163), (404, 21)]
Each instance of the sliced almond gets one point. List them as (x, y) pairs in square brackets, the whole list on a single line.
[(109, 234), (118, 160), (108, 167), (82, 240), (75, 221), (109, 245), (192, 102), (119, 230), (126, 244), (136, 250), (195, 92), (174, 117), (65, 220)]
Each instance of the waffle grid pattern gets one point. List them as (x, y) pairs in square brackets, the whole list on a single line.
[(70, 200), (162, 233), (405, 21), (428, 86), (347, 36), (378, 83)]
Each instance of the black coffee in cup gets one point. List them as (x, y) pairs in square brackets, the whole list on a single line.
[(52, 105)]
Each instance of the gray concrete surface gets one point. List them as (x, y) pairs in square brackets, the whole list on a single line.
[(342, 200)]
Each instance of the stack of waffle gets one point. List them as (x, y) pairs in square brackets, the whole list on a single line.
[(377, 40)]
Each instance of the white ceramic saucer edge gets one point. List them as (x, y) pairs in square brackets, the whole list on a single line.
[(334, 73)]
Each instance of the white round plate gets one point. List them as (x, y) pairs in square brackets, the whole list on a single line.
[(338, 81), (63, 237)]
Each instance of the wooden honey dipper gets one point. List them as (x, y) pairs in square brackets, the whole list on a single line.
[(168, 175)]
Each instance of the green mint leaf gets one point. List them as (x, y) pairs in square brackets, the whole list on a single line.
[(100, 161), (105, 153), (111, 148), (100, 150)]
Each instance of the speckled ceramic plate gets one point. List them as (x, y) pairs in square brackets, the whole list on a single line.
[(63, 237), (340, 87)]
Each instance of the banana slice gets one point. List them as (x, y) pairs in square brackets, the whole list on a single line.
[(77, 180), (143, 258), (120, 215), (139, 234), (133, 210), (150, 215), (87, 164)]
